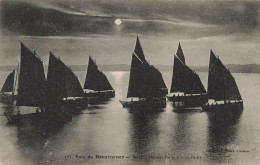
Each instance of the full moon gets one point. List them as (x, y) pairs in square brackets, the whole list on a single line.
[(118, 21)]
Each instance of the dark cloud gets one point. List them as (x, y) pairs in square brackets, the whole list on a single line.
[(80, 28), (142, 17)]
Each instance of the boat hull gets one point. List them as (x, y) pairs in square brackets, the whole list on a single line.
[(188, 101), (7, 98), (145, 103), (227, 107), (75, 103), (103, 94)]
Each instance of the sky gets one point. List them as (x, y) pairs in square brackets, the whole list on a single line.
[(75, 29)]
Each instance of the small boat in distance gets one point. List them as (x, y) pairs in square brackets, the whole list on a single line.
[(96, 83), (187, 90), (223, 93), (146, 85), (8, 93)]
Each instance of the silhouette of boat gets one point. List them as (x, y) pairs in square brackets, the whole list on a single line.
[(223, 93), (187, 90), (97, 86), (146, 85)]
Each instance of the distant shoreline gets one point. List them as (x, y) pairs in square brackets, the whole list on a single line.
[(235, 68)]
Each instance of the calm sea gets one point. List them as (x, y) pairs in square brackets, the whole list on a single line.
[(165, 137)]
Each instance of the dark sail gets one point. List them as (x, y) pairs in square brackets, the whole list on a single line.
[(136, 81), (61, 81), (145, 80), (180, 54), (9, 83), (178, 78), (138, 50), (221, 84), (56, 85), (31, 87), (95, 79), (154, 81), (185, 79)]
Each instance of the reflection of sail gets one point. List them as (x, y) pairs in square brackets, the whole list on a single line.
[(222, 132), (143, 132), (33, 142), (182, 133), (188, 133)]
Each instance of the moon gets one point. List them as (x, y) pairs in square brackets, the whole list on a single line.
[(118, 21)]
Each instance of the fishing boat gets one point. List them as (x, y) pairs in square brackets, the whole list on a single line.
[(96, 83), (8, 93), (187, 90), (146, 85), (223, 93), (63, 87), (30, 89)]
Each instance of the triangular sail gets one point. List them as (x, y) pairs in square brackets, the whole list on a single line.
[(31, 87), (178, 78), (136, 82), (221, 84), (185, 79), (180, 54), (145, 80), (155, 81), (139, 50), (9, 83), (95, 79), (56, 85), (61, 81), (232, 92)]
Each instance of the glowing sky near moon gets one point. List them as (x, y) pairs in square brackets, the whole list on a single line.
[(118, 21)]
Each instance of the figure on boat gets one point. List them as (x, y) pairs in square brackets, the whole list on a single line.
[(146, 85), (187, 90), (96, 84), (223, 93)]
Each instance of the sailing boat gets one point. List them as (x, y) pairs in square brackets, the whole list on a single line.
[(31, 85), (7, 93), (96, 83), (63, 86), (187, 90), (146, 85), (223, 93)]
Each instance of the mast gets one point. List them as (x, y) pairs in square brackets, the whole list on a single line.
[(95, 79), (16, 76), (31, 79), (9, 83)]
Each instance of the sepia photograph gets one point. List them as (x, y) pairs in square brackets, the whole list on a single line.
[(131, 82)]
